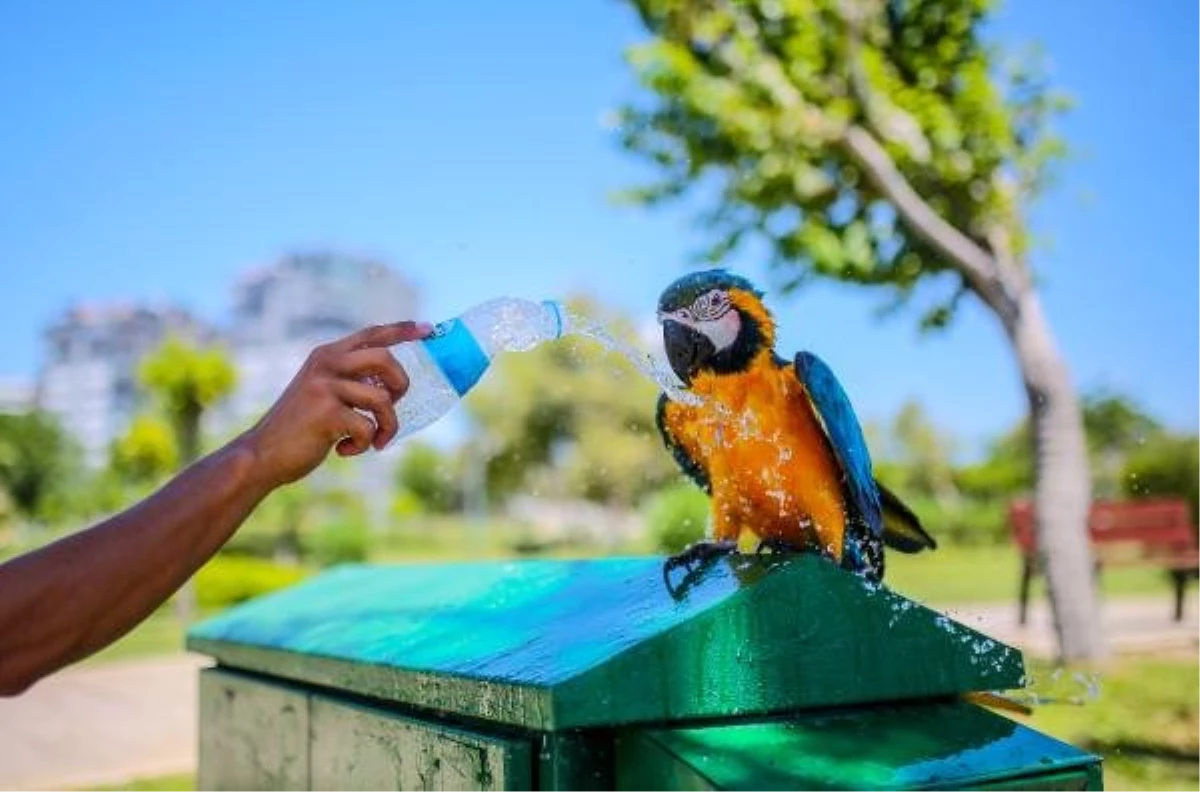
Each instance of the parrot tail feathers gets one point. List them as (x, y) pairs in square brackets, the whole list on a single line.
[(902, 529)]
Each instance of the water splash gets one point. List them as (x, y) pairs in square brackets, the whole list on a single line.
[(645, 363), (1076, 688)]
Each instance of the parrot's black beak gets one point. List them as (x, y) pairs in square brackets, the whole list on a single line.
[(687, 349)]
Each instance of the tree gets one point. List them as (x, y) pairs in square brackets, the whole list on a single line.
[(429, 475), (187, 380), (35, 461), (146, 452), (879, 142), (1165, 465), (1115, 427), (925, 454), (571, 419)]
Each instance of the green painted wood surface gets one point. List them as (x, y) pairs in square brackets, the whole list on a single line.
[(258, 734), (578, 760), (554, 645), (253, 734), (360, 747), (948, 745)]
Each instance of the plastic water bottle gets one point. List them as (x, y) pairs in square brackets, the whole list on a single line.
[(444, 366)]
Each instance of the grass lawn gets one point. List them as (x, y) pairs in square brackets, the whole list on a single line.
[(161, 634), (1144, 723), (952, 575)]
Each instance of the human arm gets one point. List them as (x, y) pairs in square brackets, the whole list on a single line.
[(79, 594)]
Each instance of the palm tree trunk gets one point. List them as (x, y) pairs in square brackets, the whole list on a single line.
[(1062, 495)]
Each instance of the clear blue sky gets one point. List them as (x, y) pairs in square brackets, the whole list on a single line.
[(155, 150)]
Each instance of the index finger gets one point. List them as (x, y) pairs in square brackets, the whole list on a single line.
[(385, 335)]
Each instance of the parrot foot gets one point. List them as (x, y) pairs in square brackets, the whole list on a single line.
[(694, 559), (700, 554), (777, 547)]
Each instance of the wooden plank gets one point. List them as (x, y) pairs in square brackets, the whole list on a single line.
[(1158, 523), (361, 747), (950, 745), (579, 760), (253, 734), (553, 645)]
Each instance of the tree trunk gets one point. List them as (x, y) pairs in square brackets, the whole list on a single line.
[(187, 430), (1062, 496)]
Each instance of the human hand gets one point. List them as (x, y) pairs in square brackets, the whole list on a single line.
[(317, 411)]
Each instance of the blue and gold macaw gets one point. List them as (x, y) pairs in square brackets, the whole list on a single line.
[(775, 442)]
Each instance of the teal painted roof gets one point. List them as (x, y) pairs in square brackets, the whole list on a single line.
[(560, 644)]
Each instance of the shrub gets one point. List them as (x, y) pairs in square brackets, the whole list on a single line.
[(677, 516), (337, 542), (230, 579)]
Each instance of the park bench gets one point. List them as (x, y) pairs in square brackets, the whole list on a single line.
[(1153, 532)]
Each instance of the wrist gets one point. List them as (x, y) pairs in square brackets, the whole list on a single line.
[(251, 465)]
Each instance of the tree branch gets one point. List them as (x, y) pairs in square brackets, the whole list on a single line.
[(978, 268), (883, 118)]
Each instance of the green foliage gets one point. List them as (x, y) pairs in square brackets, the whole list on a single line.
[(146, 452), (37, 461), (300, 522), (1115, 427), (752, 102), (1130, 454), (677, 516), (431, 477), (1165, 465), (337, 542), (913, 455), (963, 521), (230, 579), (187, 380), (570, 419), (1007, 469)]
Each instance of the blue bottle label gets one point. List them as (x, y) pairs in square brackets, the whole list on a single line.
[(457, 354)]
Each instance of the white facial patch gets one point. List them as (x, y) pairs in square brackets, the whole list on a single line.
[(723, 331)]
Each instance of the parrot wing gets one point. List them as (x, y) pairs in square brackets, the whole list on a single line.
[(692, 467), (836, 415), (902, 530)]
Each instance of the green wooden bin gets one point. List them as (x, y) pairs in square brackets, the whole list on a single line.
[(763, 674)]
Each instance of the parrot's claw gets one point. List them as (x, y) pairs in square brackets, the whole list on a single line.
[(694, 559), (700, 554), (777, 547)]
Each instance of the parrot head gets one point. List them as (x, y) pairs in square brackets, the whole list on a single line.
[(713, 322)]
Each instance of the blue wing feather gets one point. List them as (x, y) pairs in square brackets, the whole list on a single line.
[(845, 436)]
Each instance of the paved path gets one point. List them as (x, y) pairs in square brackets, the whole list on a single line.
[(102, 724), (112, 723), (1133, 625)]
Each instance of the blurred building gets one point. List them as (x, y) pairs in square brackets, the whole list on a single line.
[(282, 311), (16, 396), (89, 379)]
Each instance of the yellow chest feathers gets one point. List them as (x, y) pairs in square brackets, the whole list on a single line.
[(765, 453)]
